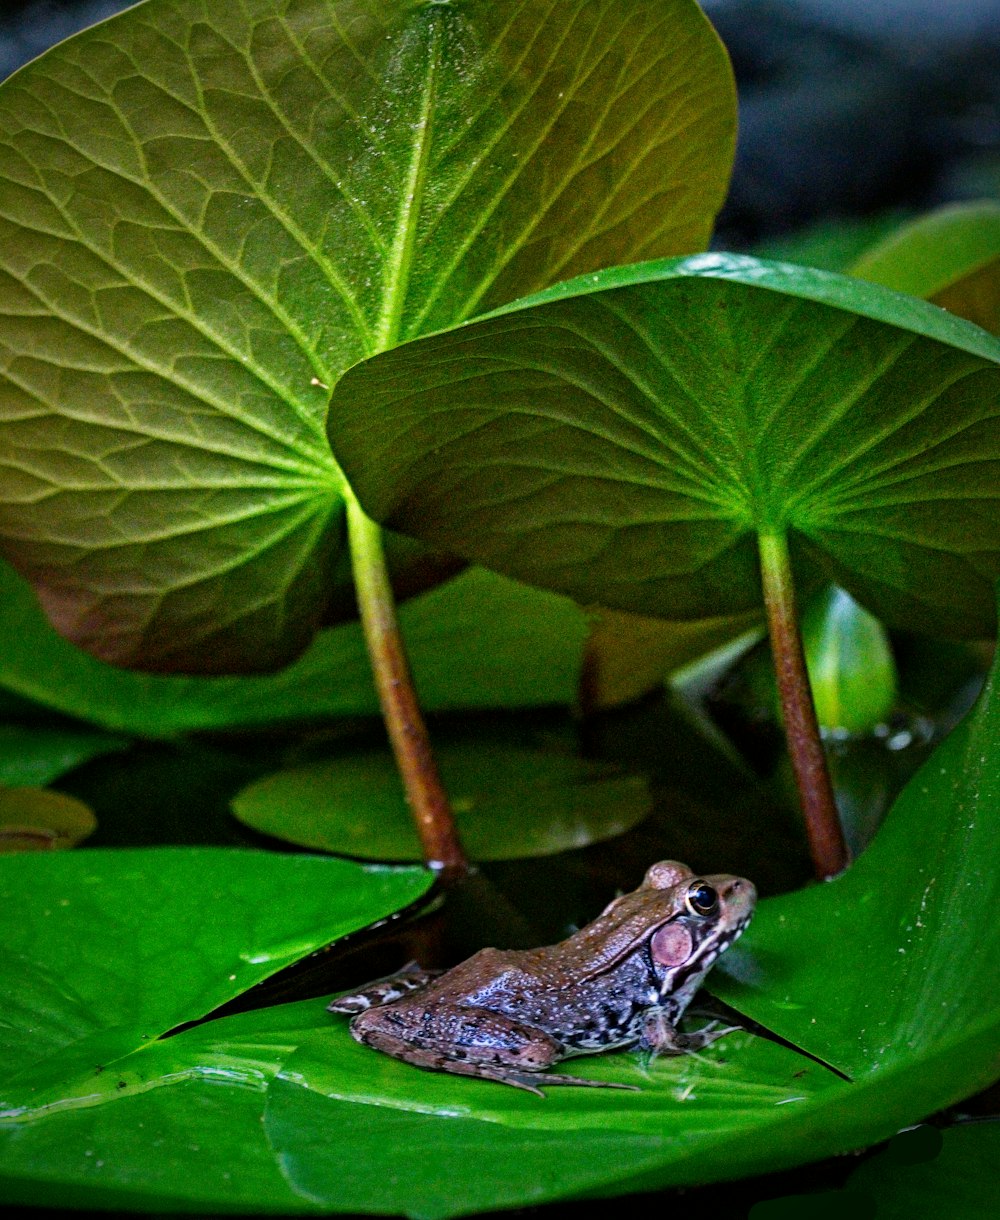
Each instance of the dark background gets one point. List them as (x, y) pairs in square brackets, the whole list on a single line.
[(849, 110)]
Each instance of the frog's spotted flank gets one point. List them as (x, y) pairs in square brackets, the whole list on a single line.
[(624, 980)]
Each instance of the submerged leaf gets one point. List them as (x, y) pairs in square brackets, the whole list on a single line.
[(510, 801), (35, 819)]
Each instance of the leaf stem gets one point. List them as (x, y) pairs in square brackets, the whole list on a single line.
[(411, 745), (826, 835)]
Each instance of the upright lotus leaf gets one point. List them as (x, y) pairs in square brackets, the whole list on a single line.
[(208, 211), (629, 655), (950, 257), (631, 438), (478, 641)]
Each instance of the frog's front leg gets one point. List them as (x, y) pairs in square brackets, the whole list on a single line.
[(385, 991), (659, 1037), (467, 1041)]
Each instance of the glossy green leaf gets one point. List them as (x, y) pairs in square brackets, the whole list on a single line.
[(882, 971), (35, 819), (209, 211), (951, 257), (120, 946), (510, 801), (851, 667), (36, 754), (478, 641), (624, 438), (885, 971), (831, 245)]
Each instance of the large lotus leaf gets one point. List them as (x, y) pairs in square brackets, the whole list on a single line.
[(625, 437), (478, 641), (210, 210), (123, 945), (888, 972)]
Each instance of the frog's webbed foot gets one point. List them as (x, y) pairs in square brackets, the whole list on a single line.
[(384, 991), (659, 1037), (700, 1038)]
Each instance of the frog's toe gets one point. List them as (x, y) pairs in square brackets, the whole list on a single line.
[(561, 1078)]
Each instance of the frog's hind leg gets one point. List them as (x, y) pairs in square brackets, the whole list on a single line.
[(384, 991), (467, 1041)]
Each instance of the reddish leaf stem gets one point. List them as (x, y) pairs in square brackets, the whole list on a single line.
[(411, 745), (826, 835)]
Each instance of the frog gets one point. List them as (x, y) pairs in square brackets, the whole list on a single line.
[(623, 981)]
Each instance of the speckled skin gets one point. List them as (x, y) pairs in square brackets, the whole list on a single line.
[(624, 980)]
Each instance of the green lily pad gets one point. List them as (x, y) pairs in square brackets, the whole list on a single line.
[(886, 972), (36, 754), (510, 801), (626, 437), (209, 212), (35, 819), (478, 641), (951, 257)]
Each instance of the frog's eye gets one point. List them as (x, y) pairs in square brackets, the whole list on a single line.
[(702, 899)]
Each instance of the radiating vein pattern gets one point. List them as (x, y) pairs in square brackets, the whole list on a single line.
[(209, 211), (625, 438)]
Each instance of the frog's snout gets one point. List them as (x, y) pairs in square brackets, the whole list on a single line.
[(740, 895)]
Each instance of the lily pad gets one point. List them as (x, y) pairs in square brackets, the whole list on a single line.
[(108, 950), (282, 1111), (626, 438), (210, 211), (36, 754), (510, 801), (35, 819)]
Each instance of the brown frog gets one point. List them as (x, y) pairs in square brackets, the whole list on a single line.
[(622, 981)]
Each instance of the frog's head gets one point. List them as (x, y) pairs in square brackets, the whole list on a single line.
[(707, 915)]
